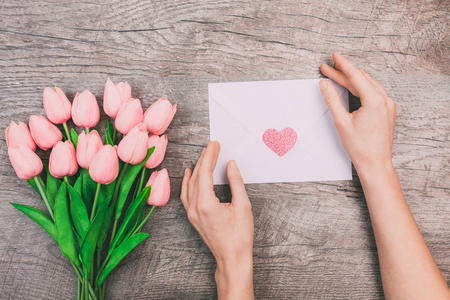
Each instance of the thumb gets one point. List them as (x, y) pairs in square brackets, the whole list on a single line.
[(331, 96), (238, 193)]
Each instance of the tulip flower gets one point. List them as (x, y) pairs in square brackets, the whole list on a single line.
[(56, 105), (114, 96), (87, 146), (25, 161), (104, 166), (160, 143), (63, 161), (133, 147), (19, 134), (85, 110), (159, 115), (44, 133), (129, 115), (160, 193)]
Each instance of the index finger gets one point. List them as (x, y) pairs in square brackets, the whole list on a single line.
[(205, 172), (359, 82)]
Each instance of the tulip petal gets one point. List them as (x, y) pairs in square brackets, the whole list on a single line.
[(111, 99)]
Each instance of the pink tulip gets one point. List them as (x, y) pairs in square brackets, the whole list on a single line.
[(87, 146), (85, 110), (129, 115), (56, 105), (25, 161), (63, 161), (19, 134), (133, 147), (104, 166), (159, 115), (160, 143), (44, 133), (160, 193), (114, 96)]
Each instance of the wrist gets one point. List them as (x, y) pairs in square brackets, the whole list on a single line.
[(234, 279), (370, 171)]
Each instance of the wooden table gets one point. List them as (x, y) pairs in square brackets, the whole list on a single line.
[(312, 240)]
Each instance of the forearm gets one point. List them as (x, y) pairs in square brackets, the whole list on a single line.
[(235, 280), (408, 270)]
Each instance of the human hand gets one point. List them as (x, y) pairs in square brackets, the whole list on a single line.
[(366, 134), (226, 228)]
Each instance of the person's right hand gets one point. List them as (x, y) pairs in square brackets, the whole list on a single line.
[(366, 134)]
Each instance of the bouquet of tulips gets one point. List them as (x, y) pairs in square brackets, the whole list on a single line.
[(90, 186)]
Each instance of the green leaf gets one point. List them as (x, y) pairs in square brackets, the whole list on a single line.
[(53, 185), (109, 133), (89, 243), (136, 220), (79, 213), (105, 226), (120, 253), (63, 226), (133, 210), (78, 186), (74, 136), (40, 217), (127, 182)]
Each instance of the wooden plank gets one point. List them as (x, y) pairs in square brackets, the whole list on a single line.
[(312, 240)]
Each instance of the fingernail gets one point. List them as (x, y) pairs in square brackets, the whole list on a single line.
[(233, 164), (323, 84), (185, 172)]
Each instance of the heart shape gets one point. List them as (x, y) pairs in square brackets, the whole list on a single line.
[(280, 141)]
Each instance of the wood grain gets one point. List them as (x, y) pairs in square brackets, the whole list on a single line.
[(312, 240)]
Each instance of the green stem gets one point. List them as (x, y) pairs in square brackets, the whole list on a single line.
[(113, 234), (114, 133), (79, 289), (86, 289), (91, 291), (66, 129), (87, 130), (83, 287), (119, 181), (143, 172), (40, 184), (144, 221), (114, 197), (103, 267), (77, 271), (102, 289), (94, 207)]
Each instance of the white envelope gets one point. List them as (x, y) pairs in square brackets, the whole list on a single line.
[(241, 112)]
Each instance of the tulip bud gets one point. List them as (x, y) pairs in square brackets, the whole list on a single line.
[(159, 115), (133, 147), (114, 96), (85, 110), (104, 166), (63, 161), (19, 134), (44, 133), (56, 105), (160, 143), (87, 147), (160, 193), (129, 115), (25, 161)]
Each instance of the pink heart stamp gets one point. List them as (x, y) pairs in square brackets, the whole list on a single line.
[(280, 141)]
